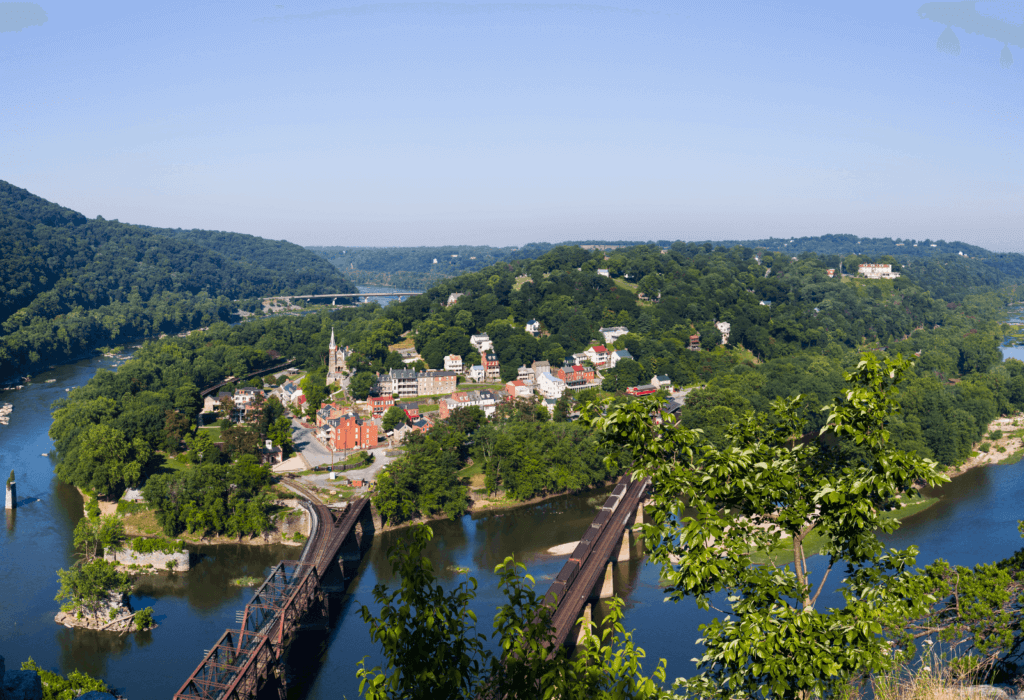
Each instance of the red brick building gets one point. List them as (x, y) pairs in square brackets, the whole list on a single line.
[(379, 405), (577, 374)]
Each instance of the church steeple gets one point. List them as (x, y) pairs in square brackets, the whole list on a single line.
[(333, 345)]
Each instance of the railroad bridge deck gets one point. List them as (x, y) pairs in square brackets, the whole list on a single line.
[(588, 572), (247, 659)]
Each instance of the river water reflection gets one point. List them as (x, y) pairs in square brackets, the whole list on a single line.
[(975, 521)]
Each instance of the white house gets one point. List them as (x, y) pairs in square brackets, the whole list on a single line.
[(616, 356), (533, 327), (481, 342), (525, 374), (877, 272), (603, 273), (550, 405), (549, 386), (453, 298), (453, 363), (724, 328), (476, 373), (598, 355), (613, 333), (662, 381)]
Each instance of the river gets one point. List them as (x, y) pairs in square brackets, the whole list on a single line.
[(975, 521)]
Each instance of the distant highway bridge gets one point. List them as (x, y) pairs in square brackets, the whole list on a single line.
[(247, 661), (400, 295)]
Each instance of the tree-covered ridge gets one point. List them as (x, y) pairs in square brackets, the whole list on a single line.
[(69, 284), (415, 266)]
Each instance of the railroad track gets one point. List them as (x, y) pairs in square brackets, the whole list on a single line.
[(331, 532)]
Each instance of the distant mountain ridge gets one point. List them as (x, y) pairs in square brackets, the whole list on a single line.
[(69, 283)]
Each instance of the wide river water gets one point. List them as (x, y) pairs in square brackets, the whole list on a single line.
[(975, 521)]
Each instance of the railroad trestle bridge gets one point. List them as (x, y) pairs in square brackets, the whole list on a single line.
[(247, 661), (587, 576)]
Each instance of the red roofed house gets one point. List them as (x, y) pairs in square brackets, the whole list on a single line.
[(517, 390), (642, 390), (576, 375), (598, 355)]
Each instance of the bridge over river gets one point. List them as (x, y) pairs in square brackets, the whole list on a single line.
[(247, 660), (587, 575)]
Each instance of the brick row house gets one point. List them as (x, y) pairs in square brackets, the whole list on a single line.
[(341, 429), (485, 399)]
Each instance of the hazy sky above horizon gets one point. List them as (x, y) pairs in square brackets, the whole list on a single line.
[(426, 123)]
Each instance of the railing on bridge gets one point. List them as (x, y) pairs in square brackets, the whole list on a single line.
[(242, 660)]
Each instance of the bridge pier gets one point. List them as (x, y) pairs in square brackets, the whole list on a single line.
[(608, 584), (588, 621)]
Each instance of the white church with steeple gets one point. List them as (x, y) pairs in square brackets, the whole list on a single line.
[(336, 361)]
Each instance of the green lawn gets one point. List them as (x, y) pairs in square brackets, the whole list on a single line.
[(424, 407), (213, 431)]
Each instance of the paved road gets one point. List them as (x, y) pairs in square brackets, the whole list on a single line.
[(380, 460), (306, 443)]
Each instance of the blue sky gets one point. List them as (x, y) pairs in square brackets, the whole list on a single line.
[(411, 123)]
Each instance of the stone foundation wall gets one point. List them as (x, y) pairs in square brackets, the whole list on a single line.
[(127, 557), (11, 500)]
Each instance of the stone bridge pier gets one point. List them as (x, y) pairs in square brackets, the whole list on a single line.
[(630, 549)]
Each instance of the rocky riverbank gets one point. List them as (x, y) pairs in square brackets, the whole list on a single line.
[(115, 614)]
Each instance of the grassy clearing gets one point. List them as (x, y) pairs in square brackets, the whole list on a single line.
[(520, 281), (143, 523), (630, 287), (404, 345), (425, 407), (471, 471)]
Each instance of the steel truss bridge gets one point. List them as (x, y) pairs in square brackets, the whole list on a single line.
[(247, 661)]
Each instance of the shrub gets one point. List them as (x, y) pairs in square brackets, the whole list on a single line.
[(144, 619), (148, 545), (129, 507), (984, 447), (996, 435)]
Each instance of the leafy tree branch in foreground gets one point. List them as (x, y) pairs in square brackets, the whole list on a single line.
[(767, 489)]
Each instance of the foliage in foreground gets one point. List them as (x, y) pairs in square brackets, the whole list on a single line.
[(769, 488), (57, 687), (433, 650)]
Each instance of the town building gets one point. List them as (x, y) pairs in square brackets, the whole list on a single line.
[(247, 401), (337, 361), (481, 342), (725, 328), (603, 272), (695, 342), (453, 298), (533, 327), (492, 371), (476, 373), (412, 411), (550, 386), (577, 377), (517, 389), (525, 374), (403, 382), (434, 382), (341, 429), (662, 381), (453, 363), (549, 404), (642, 390), (379, 405), (877, 272), (484, 399), (597, 355), (271, 453), (578, 358), (831, 272), (612, 333), (617, 356), (539, 367)]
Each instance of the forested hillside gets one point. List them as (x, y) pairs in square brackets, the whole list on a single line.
[(69, 284), (793, 331), (414, 267)]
